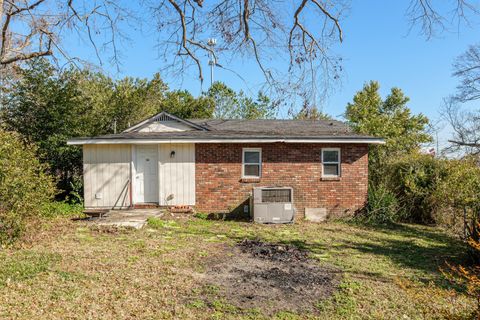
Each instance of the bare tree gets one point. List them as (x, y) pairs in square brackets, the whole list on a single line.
[(291, 42), (35, 28), (433, 19), (467, 69), (271, 32), (298, 36), (465, 124), (466, 128)]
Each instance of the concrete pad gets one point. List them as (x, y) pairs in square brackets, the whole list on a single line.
[(316, 214), (135, 218)]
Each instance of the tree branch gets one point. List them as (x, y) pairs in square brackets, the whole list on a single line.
[(28, 56), (465, 144), (184, 39), (335, 20)]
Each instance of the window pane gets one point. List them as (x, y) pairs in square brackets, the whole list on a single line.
[(252, 170), (330, 156), (252, 157), (330, 169)]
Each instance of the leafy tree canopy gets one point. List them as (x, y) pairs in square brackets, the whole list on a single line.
[(48, 107), (388, 118), (182, 104), (311, 113), (236, 105)]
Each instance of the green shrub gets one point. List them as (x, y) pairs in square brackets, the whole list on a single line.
[(457, 196), (459, 186), (201, 215), (413, 179), (61, 208), (431, 189), (158, 223), (76, 189), (382, 206), (24, 185)]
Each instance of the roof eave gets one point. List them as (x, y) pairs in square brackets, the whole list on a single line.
[(343, 140)]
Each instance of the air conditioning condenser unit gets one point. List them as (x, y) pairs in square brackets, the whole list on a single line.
[(273, 205)]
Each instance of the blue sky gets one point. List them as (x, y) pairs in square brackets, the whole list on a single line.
[(377, 46)]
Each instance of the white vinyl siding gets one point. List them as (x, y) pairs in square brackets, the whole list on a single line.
[(176, 174), (106, 174), (331, 162)]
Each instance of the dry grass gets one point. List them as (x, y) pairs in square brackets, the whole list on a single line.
[(67, 270)]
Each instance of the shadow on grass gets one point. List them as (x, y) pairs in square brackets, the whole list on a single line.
[(419, 248), (235, 214), (416, 246)]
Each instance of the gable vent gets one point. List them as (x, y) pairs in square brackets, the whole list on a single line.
[(162, 118)]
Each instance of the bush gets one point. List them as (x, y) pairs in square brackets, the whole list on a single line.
[(201, 215), (413, 179), (432, 190), (469, 275), (61, 208), (24, 185), (382, 206), (457, 194)]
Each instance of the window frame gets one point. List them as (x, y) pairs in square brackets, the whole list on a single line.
[(339, 163), (259, 150)]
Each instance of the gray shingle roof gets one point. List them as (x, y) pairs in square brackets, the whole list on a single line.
[(217, 129), (278, 127)]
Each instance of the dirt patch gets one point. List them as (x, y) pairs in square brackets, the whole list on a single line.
[(271, 277), (274, 252)]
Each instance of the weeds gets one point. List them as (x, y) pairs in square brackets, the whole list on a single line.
[(201, 215), (387, 272), (62, 209), (24, 265)]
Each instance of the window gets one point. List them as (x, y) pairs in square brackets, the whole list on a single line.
[(252, 163), (331, 162)]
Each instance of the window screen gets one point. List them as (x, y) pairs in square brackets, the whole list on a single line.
[(252, 163), (331, 162)]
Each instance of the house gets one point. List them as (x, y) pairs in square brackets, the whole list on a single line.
[(212, 165)]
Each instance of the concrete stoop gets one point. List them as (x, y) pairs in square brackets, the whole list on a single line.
[(135, 218)]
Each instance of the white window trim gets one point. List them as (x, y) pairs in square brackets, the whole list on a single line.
[(339, 162), (259, 150)]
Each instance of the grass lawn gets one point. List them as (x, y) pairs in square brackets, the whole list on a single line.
[(69, 270)]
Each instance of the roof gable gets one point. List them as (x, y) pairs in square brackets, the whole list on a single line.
[(165, 122)]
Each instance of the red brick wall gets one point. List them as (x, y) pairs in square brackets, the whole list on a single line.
[(219, 187)]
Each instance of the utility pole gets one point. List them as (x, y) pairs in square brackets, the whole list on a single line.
[(212, 61)]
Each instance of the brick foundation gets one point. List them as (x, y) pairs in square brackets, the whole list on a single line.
[(220, 188)]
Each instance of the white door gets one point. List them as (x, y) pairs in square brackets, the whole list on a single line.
[(146, 177)]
